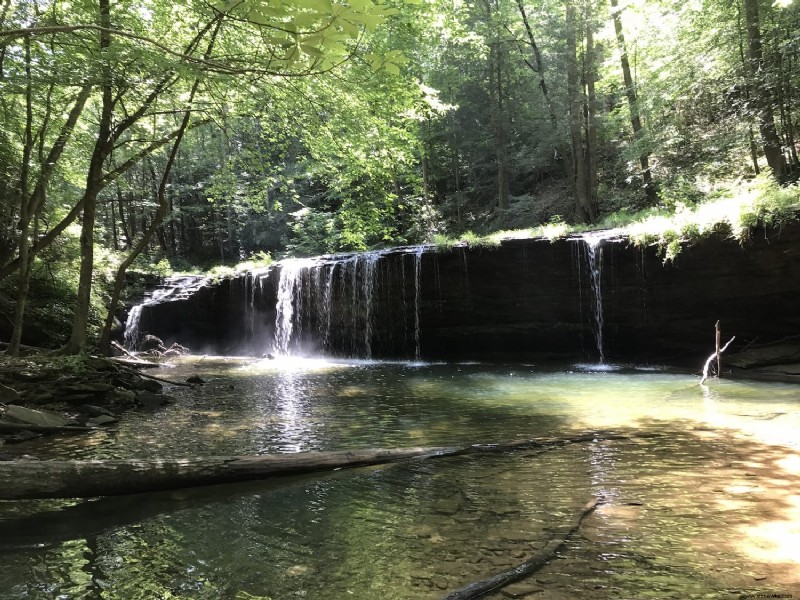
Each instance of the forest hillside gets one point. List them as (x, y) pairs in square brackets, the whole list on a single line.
[(159, 136)]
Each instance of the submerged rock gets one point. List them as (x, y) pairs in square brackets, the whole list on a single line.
[(8, 394), (101, 420)]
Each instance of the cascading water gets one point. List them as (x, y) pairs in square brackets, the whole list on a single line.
[(369, 260), (417, 295), (339, 304), (132, 335), (289, 302), (594, 256), (174, 288), (327, 308)]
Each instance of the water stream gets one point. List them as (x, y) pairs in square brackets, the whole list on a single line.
[(709, 509)]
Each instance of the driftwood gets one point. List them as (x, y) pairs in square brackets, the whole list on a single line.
[(91, 478), (136, 363), (530, 566), (6, 426), (153, 377), (711, 358), (124, 351)]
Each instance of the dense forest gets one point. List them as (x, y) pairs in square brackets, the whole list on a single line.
[(149, 134)]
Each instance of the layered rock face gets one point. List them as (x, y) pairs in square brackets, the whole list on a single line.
[(574, 298)]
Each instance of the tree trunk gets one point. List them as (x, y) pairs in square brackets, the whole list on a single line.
[(94, 183), (576, 113), (24, 211), (547, 554), (26, 479), (537, 66), (161, 212), (499, 121), (86, 479), (633, 105), (591, 117), (761, 92)]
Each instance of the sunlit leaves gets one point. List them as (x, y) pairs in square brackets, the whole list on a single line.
[(310, 34)]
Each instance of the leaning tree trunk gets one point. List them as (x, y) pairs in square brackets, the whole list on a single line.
[(94, 183), (161, 212)]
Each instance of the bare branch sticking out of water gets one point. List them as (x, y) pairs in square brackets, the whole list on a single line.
[(530, 566), (711, 359)]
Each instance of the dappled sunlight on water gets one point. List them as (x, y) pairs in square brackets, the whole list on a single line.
[(701, 499)]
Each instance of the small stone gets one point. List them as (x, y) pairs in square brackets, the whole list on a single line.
[(150, 385), (22, 436), (79, 398), (101, 420), (149, 400), (139, 384), (124, 397), (521, 590), (501, 562), (94, 411)]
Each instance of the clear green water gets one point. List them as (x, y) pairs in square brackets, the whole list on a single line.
[(709, 509)]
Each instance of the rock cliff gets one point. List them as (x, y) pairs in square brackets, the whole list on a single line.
[(519, 300)]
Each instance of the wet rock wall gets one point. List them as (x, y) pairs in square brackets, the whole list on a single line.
[(525, 299)]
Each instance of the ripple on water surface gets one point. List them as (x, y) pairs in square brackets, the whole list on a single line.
[(706, 509)]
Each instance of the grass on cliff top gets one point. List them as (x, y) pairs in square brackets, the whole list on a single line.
[(735, 208)]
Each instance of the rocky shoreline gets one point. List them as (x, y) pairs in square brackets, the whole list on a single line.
[(44, 394)]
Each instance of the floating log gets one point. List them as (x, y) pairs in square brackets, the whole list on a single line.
[(91, 478), (6, 426), (28, 479), (530, 566), (136, 372)]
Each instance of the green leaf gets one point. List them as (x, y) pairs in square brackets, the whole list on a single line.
[(324, 6), (307, 19), (371, 22), (362, 5), (311, 51)]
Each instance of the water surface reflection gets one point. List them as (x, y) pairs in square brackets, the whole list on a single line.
[(708, 509)]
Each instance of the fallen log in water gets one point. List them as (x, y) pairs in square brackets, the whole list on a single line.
[(89, 478), (530, 566), (7, 427)]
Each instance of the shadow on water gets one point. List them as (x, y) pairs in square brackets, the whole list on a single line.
[(38, 524)]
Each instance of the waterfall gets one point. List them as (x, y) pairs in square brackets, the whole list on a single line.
[(594, 256), (417, 295), (341, 304), (132, 335), (289, 305), (368, 286), (177, 287), (327, 306)]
